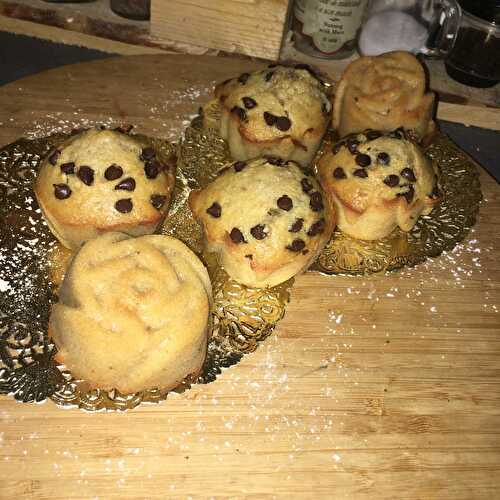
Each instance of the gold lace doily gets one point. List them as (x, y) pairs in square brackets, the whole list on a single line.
[(32, 264), (433, 234)]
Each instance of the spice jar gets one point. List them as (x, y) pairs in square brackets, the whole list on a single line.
[(327, 28)]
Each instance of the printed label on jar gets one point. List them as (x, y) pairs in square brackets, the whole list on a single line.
[(331, 23)]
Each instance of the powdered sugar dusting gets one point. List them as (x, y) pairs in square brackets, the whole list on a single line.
[(311, 398), (164, 118), (315, 393)]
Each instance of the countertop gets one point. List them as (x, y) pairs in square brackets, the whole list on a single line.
[(382, 386)]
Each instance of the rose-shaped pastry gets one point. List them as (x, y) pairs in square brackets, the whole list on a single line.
[(384, 93), (132, 313)]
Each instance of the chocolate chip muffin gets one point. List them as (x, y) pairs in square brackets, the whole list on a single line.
[(282, 111), (266, 219), (133, 313), (377, 183), (384, 92), (103, 180)]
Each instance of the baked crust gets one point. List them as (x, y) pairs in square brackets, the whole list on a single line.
[(384, 92), (249, 215), (133, 313), (377, 185), (90, 207), (281, 111)]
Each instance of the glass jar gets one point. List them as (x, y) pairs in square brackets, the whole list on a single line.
[(475, 57), (327, 28)]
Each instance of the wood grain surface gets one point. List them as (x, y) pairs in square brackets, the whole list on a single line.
[(371, 387), (91, 24), (251, 27)]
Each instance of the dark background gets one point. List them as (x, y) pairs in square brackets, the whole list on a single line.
[(21, 56)]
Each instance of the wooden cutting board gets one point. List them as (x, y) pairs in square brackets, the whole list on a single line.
[(374, 387)]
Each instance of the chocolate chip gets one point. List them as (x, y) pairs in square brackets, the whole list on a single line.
[(269, 118), (258, 232), (360, 172), (391, 180), (317, 228), (436, 192), (68, 168), (373, 134), (339, 173), (249, 103), (127, 184), (336, 147), (316, 202), (363, 160), (158, 200), (152, 169), (306, 185), (113, 172), (249, 256), (408, 174), (215, 210), (147, 154), (399, 133), (296, 245), (239, 166), (243, 78), (352, 145), (285, 203), (408, 195), (86, 175), (124, 205), (306, 170), (54, 156), (296, 226), (124, 129), (239, 112), (268, 76), (62, 191), (275, 160), (383, 158), (283, 123), (236, 235), (307, 68), (303, 66)]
